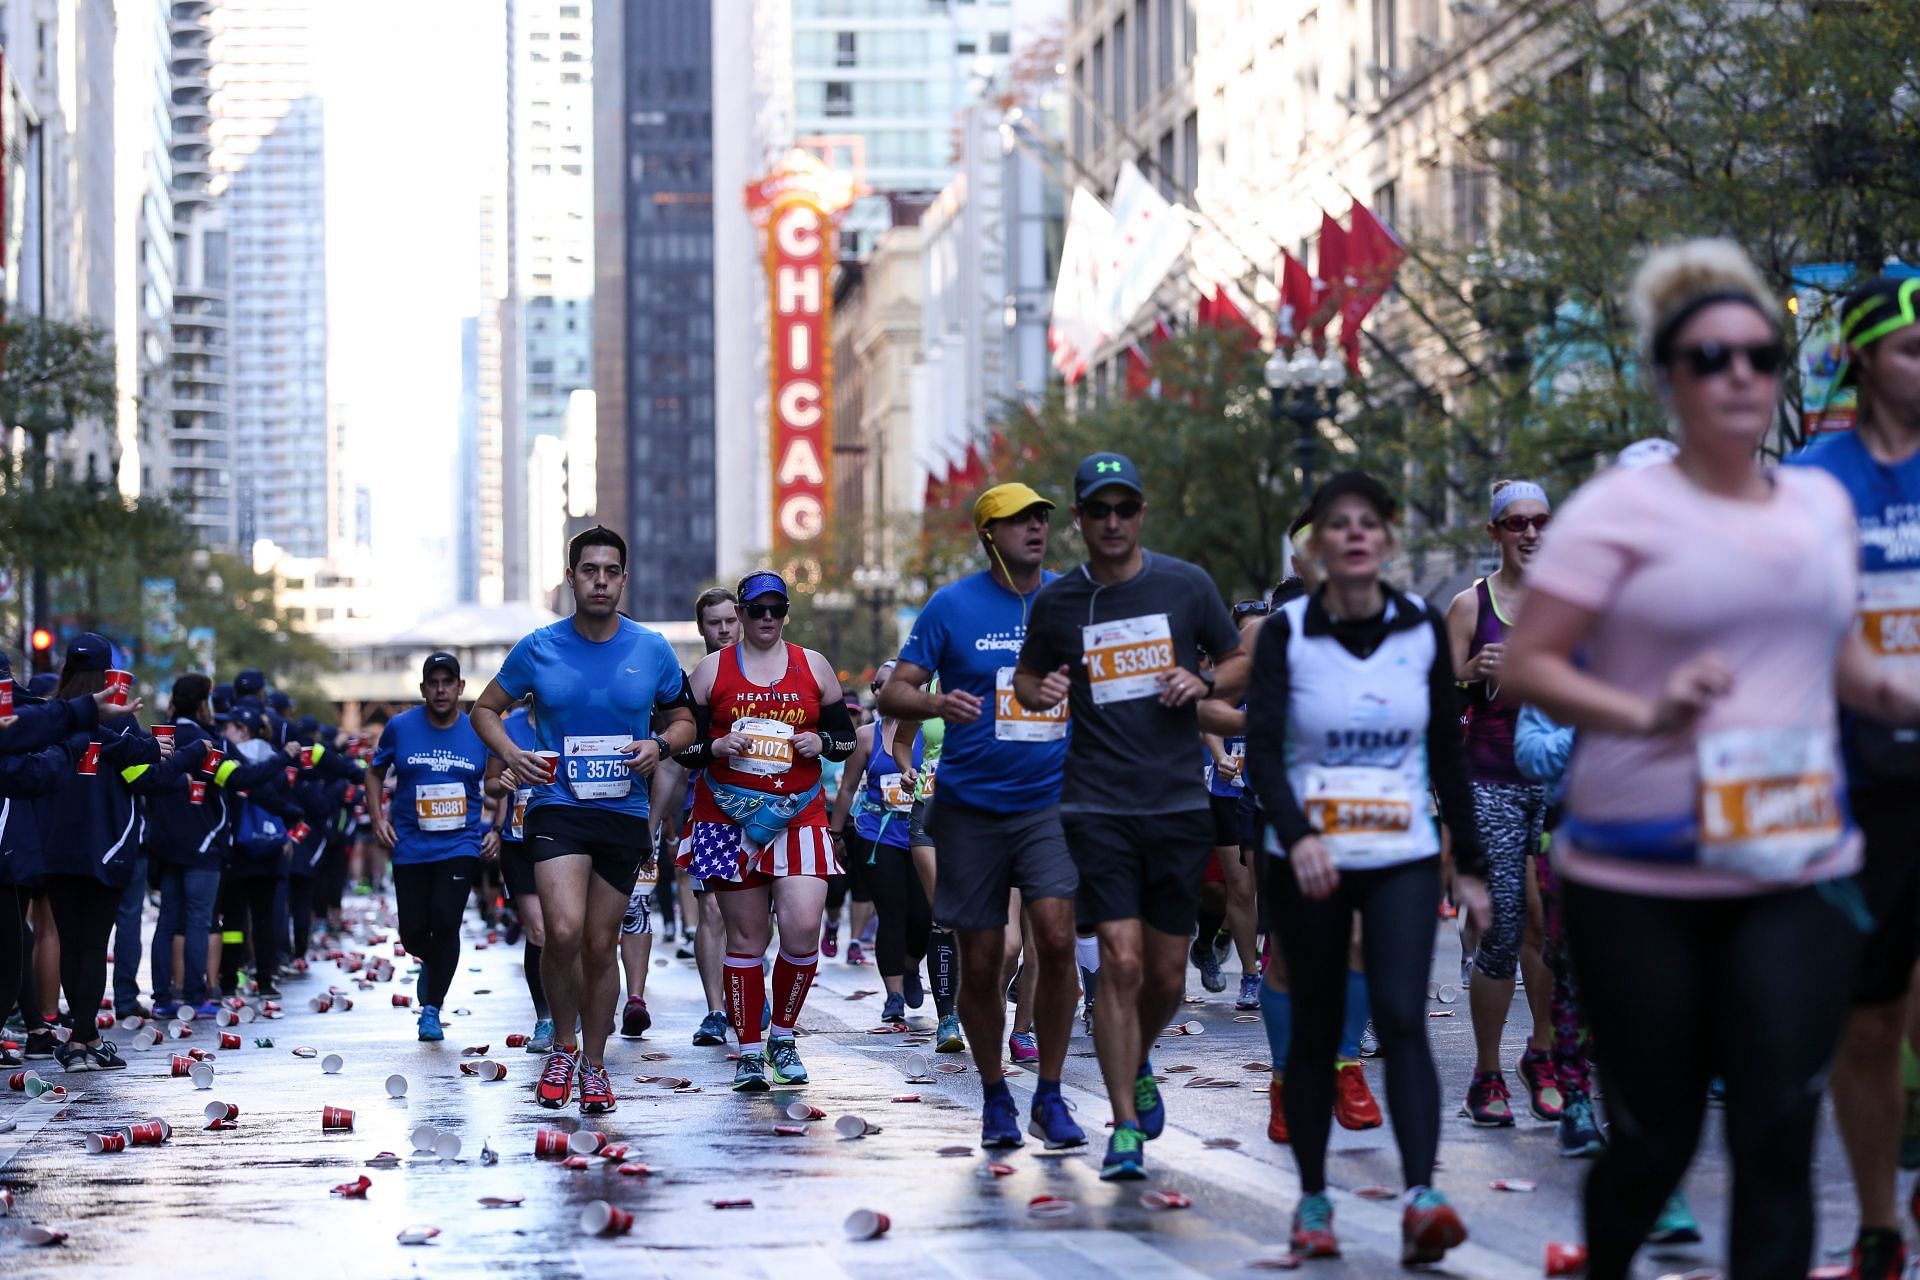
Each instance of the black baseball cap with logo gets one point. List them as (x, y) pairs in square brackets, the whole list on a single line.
[(1099, 470), (440, 660)]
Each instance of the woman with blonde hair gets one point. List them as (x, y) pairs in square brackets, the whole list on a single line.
[(1705, 857)]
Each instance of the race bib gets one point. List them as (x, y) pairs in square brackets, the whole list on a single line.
[(923, 789), (440, 806), (1769, 800), (595, 768), (1358, 810), (649, 873), (895, 793), (517, 815), (1127, 659), (769, 747), (1013, 722), (1890, 613)]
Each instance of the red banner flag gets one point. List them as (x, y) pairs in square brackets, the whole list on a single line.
[(1296, 299), (1374, 255), (1330, 283)]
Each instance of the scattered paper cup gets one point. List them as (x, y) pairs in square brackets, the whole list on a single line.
[(804, 1111), (104, 1143), (416, 1235), (1565, 1259), (1164, 1200), (866, 1224), (603, 1219), (185, 1013), (852, 1126), (336, 1119), (447, 1146), (918, 1065), (1050, 1207), (35, 1234), (148, 1133), (331, 1064), (202, 1075), (550, 1142), (396, 1085), (132, 1022), (221, 1111), (586, 1142), (423, 1137), (146, 1038), (501, 1202), (229, 1040)]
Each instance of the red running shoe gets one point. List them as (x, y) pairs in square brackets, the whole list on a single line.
[(555, 1089), (1313, 1228), (596, 1091), (1537, 1073), (1276, 1114), (1428, 1229), (1353, 1102)]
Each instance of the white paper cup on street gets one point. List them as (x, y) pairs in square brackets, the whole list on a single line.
[(225, 1018), (247, 1013), (603, 1219), (220, 1112), (804, 1111), (184, 1013), (866, 1224), (396, 1085), (918, 1065), (146, 1038), (586, 1142), (202, 1075), (447, 1146), (132, 1022), (423, 1138), (1447, 994), (332, 1063), (852, 1126)]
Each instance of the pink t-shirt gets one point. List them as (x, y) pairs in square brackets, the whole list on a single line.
[(1673, 573)]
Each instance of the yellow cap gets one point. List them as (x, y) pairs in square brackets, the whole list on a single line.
[(1005, 500)]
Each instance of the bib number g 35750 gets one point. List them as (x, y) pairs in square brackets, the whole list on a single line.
[(595, 767)]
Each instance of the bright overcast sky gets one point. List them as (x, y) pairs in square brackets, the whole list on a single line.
[(413, 91)]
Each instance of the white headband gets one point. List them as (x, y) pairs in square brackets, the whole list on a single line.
[(1518, 491)]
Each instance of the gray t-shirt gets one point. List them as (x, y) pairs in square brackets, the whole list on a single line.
[(1127, 753)]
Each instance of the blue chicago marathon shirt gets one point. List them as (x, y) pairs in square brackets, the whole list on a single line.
[(1010, 760), (1886, 504), (437, 810), (589, 699)]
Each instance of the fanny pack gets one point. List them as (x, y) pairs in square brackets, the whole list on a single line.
[(758, 817)]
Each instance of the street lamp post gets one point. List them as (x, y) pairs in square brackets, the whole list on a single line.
[(1304, 388)]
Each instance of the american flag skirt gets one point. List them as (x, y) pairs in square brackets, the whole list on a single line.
[(797, 851)]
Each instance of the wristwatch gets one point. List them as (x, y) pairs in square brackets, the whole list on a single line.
[(1206, 678), (666, 748)]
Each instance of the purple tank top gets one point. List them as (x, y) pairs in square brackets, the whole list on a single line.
[(1491, 719)]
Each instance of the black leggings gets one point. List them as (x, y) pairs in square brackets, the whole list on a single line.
[(83, 913), (246, 917), (300, 914), (1397, 907), (900, 908), (1679, 990), (13, 937), (431, 898)]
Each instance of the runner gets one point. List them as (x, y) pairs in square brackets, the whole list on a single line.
[(597, 680), (516, 870), (760, 818), (636, 942), (1879, 464), (1511, 811), (1351, 718), (919, 760), (436, 826), (997, 818), (1122, 637), (1722, 943)]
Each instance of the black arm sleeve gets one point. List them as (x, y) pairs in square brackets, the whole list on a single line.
[(1447, 759), (836, 731), (700, 754), (1267, 696)]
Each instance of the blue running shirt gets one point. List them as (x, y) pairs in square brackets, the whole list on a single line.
[(437, 810)]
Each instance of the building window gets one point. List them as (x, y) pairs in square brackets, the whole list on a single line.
[(1190, 145), (1142, 59), (1100, 99), (846, 51), (1163, 46), (1120, 66), (839, 100), (1000, 42)]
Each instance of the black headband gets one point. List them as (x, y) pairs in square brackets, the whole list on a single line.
[(1670, 327)]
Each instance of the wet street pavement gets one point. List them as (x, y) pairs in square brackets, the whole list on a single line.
[(256, 1199)]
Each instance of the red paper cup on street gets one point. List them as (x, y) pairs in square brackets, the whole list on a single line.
[(18, 1080), (852, 1126), (586, 1142), (1565, 1259), (1050, 1207), (202, 1055), (576, 1162), (993, 1169), (98, 1143), (603, 1219), (518, 1040), (550, 1142), (790, 1130), (336, 1119), (635, 1170), (229, 1040), (220, 1111), (225, 1018), (866, 1224), (1165, 1200), (103, 1021), (6, 695), (400, 1001), (486, 1069), (119, 687), (343, 1003), (616, 1153), (182, 1066), (148, 1133), (804, 1111), (1513, 1184)]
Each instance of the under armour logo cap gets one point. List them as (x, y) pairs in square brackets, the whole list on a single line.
[(1100, 470)]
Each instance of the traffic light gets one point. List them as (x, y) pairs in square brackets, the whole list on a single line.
[(42, 642)]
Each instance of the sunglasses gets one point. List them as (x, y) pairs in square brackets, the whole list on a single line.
[(1251, 609), (1520, 524), (1041, 514), (757, 611), (1712, 358), (1126, 510)]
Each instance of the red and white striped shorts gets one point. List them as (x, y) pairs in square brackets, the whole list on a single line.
[(800, 851)]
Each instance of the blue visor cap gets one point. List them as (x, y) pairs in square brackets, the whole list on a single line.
[(765, 582)]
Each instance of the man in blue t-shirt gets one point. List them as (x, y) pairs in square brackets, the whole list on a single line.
[(997, 820), (598, 682)]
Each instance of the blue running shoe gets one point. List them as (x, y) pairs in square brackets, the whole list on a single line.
[(713, 1029), (783, 1062), (1148, 1104), (430, 1024), (542, 1041), (1053, 1123), (1126, 1155), (1000, 1123)]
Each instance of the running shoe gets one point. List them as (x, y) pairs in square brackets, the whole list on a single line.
[(1023, 1047), (830, 941), (163, 1010), (947, 1039), (430, 1024), (135, 1010), (634, 1019), (10, 1054), (916, 995), (1313, 1228), (1544, 1098), (555, 1089), (895, 1009), (1579, 1132), (1717, 1091), (1249, 997), (1207, 961), (1276, 1115), (750, 1074), (542, 1041), (713, 1029), (1429, 1228), (268, 991), (1086, 1016), (206, 1008), (1369, 1042), (1879, 1255), (1488, 1104), (1051, 1121), (1000, 1122), (1353, 1102), (101, 1055), (1126, 1159), (1675, 1225), (596, 1091), (855, 953), (1147, 1102), (783, 1061)]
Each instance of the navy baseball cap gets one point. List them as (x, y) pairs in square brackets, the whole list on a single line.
[(249, 683), (759, 583), (90, 652), (221, 698), (43, 685), (1102, 469), (440, 660), (252, 717), (280, 702)]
